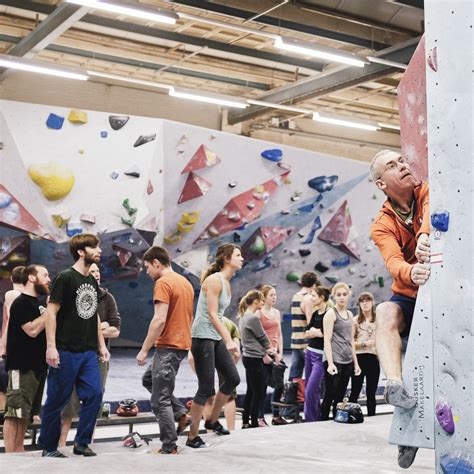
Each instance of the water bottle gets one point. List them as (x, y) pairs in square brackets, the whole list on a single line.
[(106, 410)]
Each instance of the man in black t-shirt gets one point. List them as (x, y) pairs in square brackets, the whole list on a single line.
[(26, 346), (74, 337)]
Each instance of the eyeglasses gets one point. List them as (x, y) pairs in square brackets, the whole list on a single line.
[(392, 165)]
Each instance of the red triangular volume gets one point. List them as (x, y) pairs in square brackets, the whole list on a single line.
[(13, 214), (340, 233), (243, 208), (194, 187), (203, 158), (264, 240)]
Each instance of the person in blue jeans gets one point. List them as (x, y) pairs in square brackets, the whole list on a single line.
[(74, 339)]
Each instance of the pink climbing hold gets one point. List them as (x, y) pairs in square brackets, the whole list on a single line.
[(432, 59)]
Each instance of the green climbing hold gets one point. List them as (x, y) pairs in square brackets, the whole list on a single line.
[(131, 210), (258, 246), (381, 281), (332, 279), (293, 276)]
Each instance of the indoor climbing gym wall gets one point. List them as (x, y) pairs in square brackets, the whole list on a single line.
[(289, 209), (450, 146), (138, 181)]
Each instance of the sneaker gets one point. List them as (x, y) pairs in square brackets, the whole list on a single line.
[(406, 456), (196, 442), (278, 420), (183, 423), (166, 451), (262, 423), (396, 395), (83, 450), (53, 454), (216, 427)]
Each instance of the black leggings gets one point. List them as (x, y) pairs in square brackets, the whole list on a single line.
[(254, 371), (336, 386), (370, 367), (210, 355)]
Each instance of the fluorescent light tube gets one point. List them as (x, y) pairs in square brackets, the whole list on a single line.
[(322, 52), (132, 80), (23, 64), (344, 122), (211, 99), (130, 9), (391, 126)]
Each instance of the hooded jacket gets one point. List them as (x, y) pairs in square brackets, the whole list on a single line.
[(397, 241)]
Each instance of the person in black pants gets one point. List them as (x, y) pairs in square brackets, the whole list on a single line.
[(255, 345), (364, 339), (338, 329)]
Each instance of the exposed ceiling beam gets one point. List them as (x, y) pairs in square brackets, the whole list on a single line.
[(335, 79), (179, 71), (172, 36), (53, 26), (357, 19), (282, 23)]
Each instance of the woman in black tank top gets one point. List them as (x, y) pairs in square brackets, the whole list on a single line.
[(314, 369)]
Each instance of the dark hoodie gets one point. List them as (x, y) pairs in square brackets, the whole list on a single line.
[(107, 310)]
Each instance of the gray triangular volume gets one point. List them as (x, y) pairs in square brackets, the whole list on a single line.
[(118, 121)]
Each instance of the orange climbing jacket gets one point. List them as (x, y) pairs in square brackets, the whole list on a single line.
[(397, 241)]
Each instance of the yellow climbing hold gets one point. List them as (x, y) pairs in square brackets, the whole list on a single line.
[(77, 116), (183, 227), (190, 217), (54, 179), (173, 238)]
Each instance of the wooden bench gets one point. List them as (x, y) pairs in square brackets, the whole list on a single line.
[(295, 407), (112, 420)]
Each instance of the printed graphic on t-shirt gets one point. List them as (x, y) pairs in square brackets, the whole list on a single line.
[(86, 301)]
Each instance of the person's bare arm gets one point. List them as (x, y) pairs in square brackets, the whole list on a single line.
[(307, 306), (52, 354), (103, 351), (213, 288), (357, 370), (35, 327), (155, 329), (328, 325)]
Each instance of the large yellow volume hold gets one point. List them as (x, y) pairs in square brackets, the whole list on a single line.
[(54, 179)]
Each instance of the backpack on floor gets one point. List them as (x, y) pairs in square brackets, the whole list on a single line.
[(347, 412)]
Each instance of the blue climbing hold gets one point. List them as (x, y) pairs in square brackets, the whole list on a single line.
[(275, 155), (440, 220), (341, 262), (323, 183), (55, 122), (264, 264), (5, 200), (103, 134), (457, 463)]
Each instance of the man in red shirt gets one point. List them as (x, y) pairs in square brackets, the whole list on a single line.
[(170, 333)]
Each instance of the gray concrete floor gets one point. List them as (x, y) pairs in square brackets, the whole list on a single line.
[(307, 447)]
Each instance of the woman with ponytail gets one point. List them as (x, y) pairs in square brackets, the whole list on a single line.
[(271, 322), (255, 346), (212, 345)]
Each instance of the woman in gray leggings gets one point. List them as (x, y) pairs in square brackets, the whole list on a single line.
[(212, 347)]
